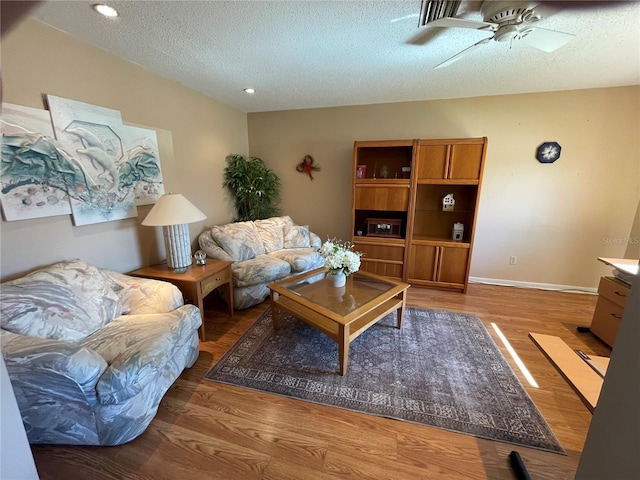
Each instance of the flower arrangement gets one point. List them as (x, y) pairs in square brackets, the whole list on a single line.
[(340, 255)]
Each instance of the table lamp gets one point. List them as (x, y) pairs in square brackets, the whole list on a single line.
[(173, 212)]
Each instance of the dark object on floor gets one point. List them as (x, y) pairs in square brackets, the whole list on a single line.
[(442, 369), (518, 466), (583, 329)]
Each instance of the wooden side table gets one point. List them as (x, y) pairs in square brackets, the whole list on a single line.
[(196, 283)]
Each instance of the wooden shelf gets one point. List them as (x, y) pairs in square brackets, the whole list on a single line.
[(375, 182), (445, 241)]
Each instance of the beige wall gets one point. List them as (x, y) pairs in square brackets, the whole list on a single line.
[(195, 134), (556, 218)]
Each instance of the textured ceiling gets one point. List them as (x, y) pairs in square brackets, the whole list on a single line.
[(308, 54)]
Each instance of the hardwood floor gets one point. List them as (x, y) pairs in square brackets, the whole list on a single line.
[(214, 431)]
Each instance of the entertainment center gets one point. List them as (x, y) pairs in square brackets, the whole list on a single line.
[(415, 204)]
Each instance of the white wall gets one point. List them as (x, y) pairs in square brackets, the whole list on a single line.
[(556, 218)]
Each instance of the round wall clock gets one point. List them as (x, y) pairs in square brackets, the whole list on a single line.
[(548, 152)]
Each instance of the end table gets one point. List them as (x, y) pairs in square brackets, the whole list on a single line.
[(196, 283)]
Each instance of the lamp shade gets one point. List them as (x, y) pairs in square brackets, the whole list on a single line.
[(173, 209)]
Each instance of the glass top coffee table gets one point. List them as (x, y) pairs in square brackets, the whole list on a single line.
[(341, 313)]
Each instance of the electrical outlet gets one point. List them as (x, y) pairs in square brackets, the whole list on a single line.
[(513, 260)]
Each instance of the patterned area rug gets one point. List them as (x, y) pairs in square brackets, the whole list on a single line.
[(442, 369)]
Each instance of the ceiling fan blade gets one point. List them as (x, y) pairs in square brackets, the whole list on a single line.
[(547, 40), (451, 22), (424, 36), (463, 53)]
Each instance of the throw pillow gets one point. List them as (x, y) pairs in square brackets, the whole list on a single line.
[(240, 240), (296, 236), (271, 233)]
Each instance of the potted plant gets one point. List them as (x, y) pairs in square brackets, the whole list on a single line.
[(255, 188)]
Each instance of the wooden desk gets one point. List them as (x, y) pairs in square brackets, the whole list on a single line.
[(612, 299), (196, 283)]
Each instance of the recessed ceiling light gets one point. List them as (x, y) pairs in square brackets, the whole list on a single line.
[(249, 90), (105, 10)]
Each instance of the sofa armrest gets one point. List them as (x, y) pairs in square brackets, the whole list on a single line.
[(138, 349), (315, 241), (41, 363), (144, 295), (211, 247)]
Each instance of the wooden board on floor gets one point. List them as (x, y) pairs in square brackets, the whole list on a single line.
[(599, 364), (582, 377)]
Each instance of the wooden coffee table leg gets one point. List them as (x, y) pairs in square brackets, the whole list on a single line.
[(275, 319), (400, 311), (343, 348)]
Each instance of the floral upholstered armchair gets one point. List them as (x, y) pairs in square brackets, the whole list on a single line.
[(91, 352)]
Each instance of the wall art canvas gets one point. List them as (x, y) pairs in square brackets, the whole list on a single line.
[(140, 168), (35, 169), (94, 137)]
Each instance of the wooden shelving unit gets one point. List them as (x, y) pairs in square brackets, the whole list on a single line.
[(405, 182)]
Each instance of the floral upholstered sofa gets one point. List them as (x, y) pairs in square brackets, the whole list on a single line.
[(91, 352), (262, 252)]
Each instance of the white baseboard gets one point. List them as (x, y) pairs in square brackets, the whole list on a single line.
[(539, 286)]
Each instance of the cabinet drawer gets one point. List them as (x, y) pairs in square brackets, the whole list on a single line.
[(606, 320), (370, 251), (613, 290), (382, 268), (214, 281)]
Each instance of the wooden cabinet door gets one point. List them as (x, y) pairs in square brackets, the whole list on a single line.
[(445, 265), (382, 198), (465, 162), (423, 262), (432, 162), (449, 161), (452, 266)]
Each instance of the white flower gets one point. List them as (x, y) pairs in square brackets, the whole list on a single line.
[(339, 255)]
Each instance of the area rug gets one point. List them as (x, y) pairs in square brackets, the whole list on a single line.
[(442, 369)]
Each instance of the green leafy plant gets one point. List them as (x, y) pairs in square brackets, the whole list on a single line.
[(255, 188)]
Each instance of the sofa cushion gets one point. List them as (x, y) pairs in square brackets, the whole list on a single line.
[(211, 248), (240, 240), (65, 301), (300, 259), (262, 269), (296, 236), (137, 347), (272, 234)]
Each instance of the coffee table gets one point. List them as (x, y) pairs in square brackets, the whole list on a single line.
[(341, 313)]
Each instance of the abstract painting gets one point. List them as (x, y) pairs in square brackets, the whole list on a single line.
[(141, 167), (35, 169), (93, 136), (77, 158)]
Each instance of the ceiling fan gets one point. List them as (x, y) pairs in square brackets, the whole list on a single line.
[(509, 21)]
